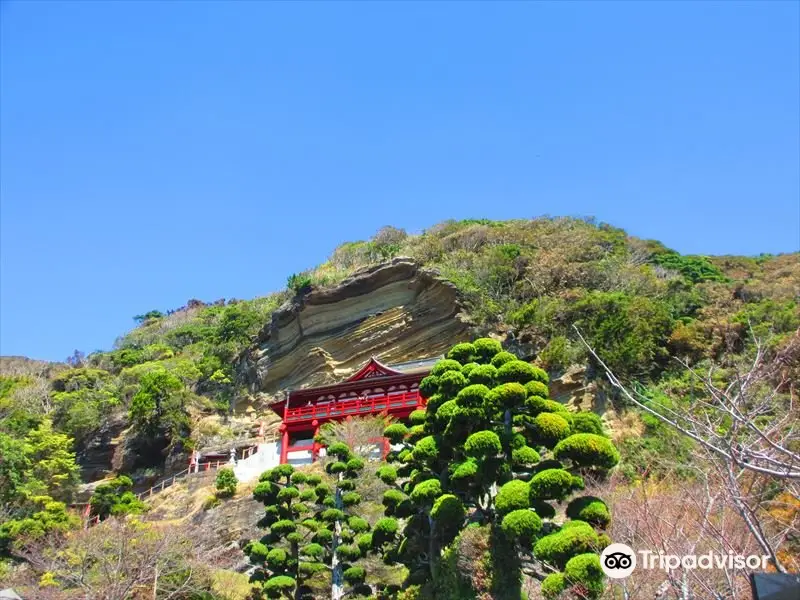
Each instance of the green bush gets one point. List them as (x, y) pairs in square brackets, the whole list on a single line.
[(525, 456), (585, 570), (557, 548), (482, 444), (395, 433), (472, 396), (417, 417), (451, 382), (387, 474), (445, 365), (501, 358), (484, 374), (512, 496), (354, 575), (426, 491), (429, 386), (463, 353), (448, 509), (537, 388), (590, 509), (425, 449), (521, 525), (486, 349), (518, 371), (587, 450), (553, 484), (587, 422), (549, 429), (553, 585), (226, 483), (279, 586), (509, 395)]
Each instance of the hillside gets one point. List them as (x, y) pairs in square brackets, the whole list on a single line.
[(200, 376)]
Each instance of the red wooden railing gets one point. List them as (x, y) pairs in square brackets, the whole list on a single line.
[(355, 406)]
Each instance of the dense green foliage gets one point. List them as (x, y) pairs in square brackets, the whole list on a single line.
[(493, 437), (313, 527)]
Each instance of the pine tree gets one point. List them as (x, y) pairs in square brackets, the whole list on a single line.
[(491, 449), (312, 527)]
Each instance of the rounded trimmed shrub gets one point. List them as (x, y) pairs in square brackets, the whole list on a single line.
[(426, 491), (364, 542), (426, 449), (276, 558), (448, 509), (537, 388), (311, 524), (288, 493), (355, 464), (265, 491), (299, 477), (553, 585), (587, 422), (385, 529), (512, 496), (332, 515), (517, 441), (482, 444), (517, 371), (462, 352), (396, 433), (552, 484), (446, 411), (585, 570), (473, 396), (588, 450), (282, 471), (557, 548), (313, 479), (349, 552), (502, 357), (429, 386), (509, 395), (282, 527), (351, 498), (347, 485), (451, 382), (415, 433), (279, 585), (336, 467), (357, 524), (323, 536), (354, 575), (313, 550), (392, 498), (549, 429), (464, 470), (417, 417), (387, 474), (484, 374), (443, 366), (485, 349), (525, 456), (521, 525), (589, 509)]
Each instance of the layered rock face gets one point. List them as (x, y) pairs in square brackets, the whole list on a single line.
[(396, 311)]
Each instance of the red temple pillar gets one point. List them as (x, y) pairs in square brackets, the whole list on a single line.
[(284, 443), (316, 445)]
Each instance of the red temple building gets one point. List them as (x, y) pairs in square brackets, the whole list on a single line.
[(374, 389)]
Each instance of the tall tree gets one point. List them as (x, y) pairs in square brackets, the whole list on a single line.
[(475, 455), (313, 527)]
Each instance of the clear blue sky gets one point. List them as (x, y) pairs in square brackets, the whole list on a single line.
[(156, 152)]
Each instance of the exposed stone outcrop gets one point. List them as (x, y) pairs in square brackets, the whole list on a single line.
[(395, 311)]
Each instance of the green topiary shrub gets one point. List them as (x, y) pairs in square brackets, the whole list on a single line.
[(482, 444), (589, 509), (549, 429), (395, 433), (463, 352), (354, 575), (486, 349), (429, 386), (553, 484), (517, 371), (522, 526), (417, 417), (525, 457), (587, 422), (553, 585), (425, 449), (444, 366), (279, 586), (501, 358), (426, 491), (451, 382), (508, 395), (472, 396), (512, 496), (587, 450), (585, 570), (387, 474), (537, 388), (557, 548), (449, 510), (483, 374)]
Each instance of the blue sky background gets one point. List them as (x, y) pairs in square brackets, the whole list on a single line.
[(156, 152)]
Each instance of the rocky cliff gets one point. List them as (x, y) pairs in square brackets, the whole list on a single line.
[(395, 311)]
